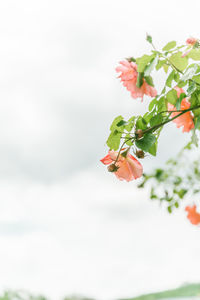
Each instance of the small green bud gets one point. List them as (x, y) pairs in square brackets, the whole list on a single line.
[(131, 59), (124, 154), (149, 38)]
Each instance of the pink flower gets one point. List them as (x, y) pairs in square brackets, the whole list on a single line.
[(193, 215), (185, 120), (191, 41), (129, 76), (127, 168)]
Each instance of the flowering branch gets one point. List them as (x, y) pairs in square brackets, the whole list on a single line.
[(173, 104)]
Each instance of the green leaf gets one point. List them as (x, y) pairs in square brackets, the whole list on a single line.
[(176, 77), (146, 142), (163, 90), (169, 208), (130, 124), (195, 100), (178, 103), (179, 62), (182, 84), (141, 123), (182, 193), (160, 64), (196, 78), (172, 96), (129, 143), (151, 66), (113, 140), (191, 89), (115, 122), (143, 61), (169, 46), (152, 104), (140, 80), (147, 117), (156, 120), (121, 123), (153, 149), (170, 78), (149, 80), (194, 54), (162, 104), (189, 73), (197, 122), (176, 204), (165, 68)]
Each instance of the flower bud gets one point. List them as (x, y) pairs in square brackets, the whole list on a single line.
[(125, 153), (139, 133), (112, 168), (131, 59), (140, 153)]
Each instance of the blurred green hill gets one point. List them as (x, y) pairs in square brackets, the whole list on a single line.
[(189, 290), (186, 291)]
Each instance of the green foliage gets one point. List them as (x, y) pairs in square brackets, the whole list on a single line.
[(146, 142), (195, 101), (178, 103), (178, 62), (151, 66), (143, 61), (170, 78), (113, 140), (141, 123), (140, 79), (160, 64), (149, 80), (129, 125), (172, 97), (169, 46), (179, 178), (197, 122), (116, 121), (152, 104), (157, 119), (191, 88), (190, 72), (194, 54)]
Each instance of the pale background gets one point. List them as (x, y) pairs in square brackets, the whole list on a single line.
[(66, 224)]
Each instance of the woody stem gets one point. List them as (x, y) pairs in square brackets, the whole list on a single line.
[(153, 128)]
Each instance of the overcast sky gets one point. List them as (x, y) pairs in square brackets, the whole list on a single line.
[(66, 225)]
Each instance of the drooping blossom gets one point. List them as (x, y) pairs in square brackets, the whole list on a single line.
[(186, 119), (190, 42), (127, 168), (129, 76), (193, 215)]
